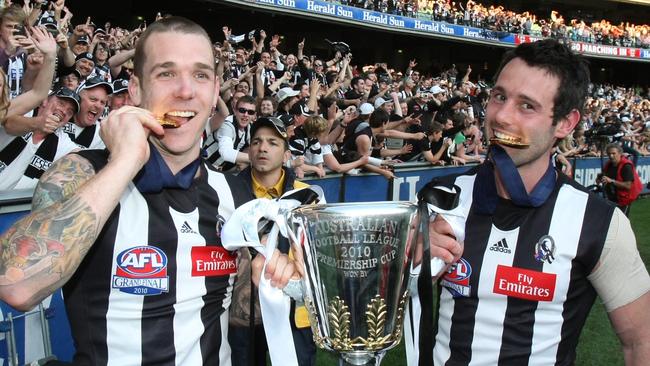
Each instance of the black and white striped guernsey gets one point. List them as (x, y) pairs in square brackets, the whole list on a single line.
[(520, 293), (86, 137), (155, 286)]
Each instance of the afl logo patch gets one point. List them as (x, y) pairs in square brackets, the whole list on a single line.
[(457, 278), (141, 270), (545, 249)]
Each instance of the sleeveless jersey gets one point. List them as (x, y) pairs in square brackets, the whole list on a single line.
[(520, 294), (156, 285), (240, 141)]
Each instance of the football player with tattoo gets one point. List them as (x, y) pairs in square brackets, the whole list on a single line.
[(132, 233)]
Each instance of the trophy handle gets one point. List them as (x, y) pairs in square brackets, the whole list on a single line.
[(435, 198)]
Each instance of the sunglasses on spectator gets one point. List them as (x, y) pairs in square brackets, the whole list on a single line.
[(318, 64), (250, 112)]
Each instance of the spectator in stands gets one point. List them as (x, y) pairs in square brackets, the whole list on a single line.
[(298, 113), (81, 45), (291, 66), (357, 93), (328, 144), (305, 142), (266, 177), (266, 107), (120, 95), (12, 56), (101, 54), (239, 66), (286, 98), (29, 145), (84, 129), (432, 148), (407, 89), (227, 146), (43, 66), (360, 135), (85, 64), (458, 147), (70, 78)]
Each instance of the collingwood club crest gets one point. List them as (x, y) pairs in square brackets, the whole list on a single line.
[(545, 249)]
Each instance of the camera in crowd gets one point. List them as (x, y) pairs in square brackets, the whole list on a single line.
[(19, 30), (253, 35), (384, 78), (340, 47), (603, 131)]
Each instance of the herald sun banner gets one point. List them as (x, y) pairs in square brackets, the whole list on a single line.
[(352, 14)]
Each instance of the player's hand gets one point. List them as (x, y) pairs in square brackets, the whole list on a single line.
[(279, 270), (443, 243), (125, 133)]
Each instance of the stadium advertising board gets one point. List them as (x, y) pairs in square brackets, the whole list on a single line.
[(593, 48), (350, 13), (388, 20)]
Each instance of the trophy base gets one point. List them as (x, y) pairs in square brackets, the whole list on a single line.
[(361, 359)]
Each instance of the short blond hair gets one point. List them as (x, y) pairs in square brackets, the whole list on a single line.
[(314, 126), (13, 13)]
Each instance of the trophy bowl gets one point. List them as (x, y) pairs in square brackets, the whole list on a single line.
[(355, 258)]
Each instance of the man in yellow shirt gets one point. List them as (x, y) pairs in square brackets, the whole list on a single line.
[(267, 177)]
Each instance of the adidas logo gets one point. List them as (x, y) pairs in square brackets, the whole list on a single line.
[(187, 229), (501, 246)]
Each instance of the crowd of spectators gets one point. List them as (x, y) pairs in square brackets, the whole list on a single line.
[(611, 114), (59, 80), (499, 19)]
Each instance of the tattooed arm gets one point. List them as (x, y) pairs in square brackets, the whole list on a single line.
[(70, 206)]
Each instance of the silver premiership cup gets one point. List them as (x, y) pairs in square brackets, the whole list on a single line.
[(356, 257)]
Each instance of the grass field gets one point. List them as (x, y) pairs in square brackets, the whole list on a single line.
[(598, 344)]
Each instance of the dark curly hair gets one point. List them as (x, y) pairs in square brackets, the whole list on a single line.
[(558, 60)]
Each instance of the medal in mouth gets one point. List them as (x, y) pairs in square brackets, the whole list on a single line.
[(175, 119), (166, 123), (509, 141)]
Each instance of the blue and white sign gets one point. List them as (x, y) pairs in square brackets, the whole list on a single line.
[(388, 20), (375, 18)]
